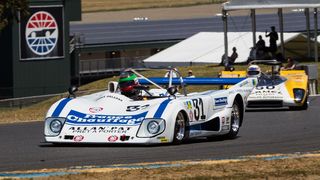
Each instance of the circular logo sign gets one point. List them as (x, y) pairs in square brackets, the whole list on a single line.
[(42, 33)]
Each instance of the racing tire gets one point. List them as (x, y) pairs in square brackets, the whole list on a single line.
[(303, 107), (235, 121), (180, 130)]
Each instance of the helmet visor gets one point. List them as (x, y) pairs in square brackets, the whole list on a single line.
[(253, 73)]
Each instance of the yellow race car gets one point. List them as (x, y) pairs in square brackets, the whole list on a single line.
[(276, 88)]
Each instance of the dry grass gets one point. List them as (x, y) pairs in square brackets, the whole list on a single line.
[(111, 5), (299, 168)]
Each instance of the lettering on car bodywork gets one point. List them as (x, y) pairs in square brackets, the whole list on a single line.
[(75, 117), (221, 101), (105, 129)]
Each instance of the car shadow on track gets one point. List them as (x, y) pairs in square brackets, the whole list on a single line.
[(268, 110), (94, 145)]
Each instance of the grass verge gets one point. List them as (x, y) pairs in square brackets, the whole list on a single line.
[(293, 168)]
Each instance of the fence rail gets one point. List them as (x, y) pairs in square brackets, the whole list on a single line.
[(107, 66)]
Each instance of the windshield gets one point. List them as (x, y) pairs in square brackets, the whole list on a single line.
[(269, 80)]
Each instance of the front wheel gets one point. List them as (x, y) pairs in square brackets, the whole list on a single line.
[(180, 132), (235, 121), (304, 106)]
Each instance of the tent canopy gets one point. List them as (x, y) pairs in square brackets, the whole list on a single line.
[(207, 48), (269, 4)]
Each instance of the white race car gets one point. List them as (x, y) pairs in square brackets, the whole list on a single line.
[(158, 116)]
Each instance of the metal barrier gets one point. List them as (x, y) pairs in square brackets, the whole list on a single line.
[(106, 66), (312, 72), (30, 100)]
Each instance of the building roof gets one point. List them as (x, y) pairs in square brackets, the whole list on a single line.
[(208, 48), (269, 4)]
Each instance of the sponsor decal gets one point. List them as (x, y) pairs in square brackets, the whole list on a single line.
[(191, 115), (244, 83), (95, 109), (163, 139), (124, 138), (105, 129), (228, 120), (226, 127), (78, 138), (136, 107), (223, 120), (220, 101), (75, 117), (188, 105), (254, 82), (114, 97), (113, 138)]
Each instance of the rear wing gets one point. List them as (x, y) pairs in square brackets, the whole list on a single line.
[(292, 72), (233, 74), (192, 81)]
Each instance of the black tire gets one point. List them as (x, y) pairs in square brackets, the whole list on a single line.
[(180, 131), (303, 107), (235, 121)]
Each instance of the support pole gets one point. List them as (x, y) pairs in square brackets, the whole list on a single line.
[(280, 14), (253, 27), (225, 29), (307, 14), (315, 13)]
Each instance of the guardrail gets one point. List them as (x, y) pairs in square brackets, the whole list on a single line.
[(27, 101), (312, 72), (108, 66)]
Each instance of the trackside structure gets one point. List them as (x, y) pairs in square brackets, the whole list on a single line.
[(253, 5), (35, 56)]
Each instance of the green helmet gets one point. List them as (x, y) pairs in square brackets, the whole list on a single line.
[(127, 81)]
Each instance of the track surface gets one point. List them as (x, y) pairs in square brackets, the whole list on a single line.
[(265, 132)]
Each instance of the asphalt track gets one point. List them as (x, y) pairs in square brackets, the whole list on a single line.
[(263, 132), (144, 31)]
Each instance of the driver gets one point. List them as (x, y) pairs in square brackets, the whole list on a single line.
[(127, 82), (253, 71)]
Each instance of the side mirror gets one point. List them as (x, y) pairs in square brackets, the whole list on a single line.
[(172, 90), (112, 86), (72, 91)]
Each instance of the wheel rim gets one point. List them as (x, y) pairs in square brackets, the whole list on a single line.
[(235, 118), (180, 127)]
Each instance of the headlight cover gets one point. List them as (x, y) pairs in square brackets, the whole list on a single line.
[(151, 128), (298, 94), (53, 126)]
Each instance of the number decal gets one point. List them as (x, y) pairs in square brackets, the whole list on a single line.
[(198, 109), (136, 108), (265, 87)]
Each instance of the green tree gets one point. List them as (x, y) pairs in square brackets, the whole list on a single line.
[(9, 11)]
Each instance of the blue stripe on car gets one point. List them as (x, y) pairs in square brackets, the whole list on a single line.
[(161, 108), (59, 108)]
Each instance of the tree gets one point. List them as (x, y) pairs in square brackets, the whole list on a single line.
[(9, 11)]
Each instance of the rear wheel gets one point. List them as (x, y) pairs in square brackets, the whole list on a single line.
[(235, 121), (180, 132)]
